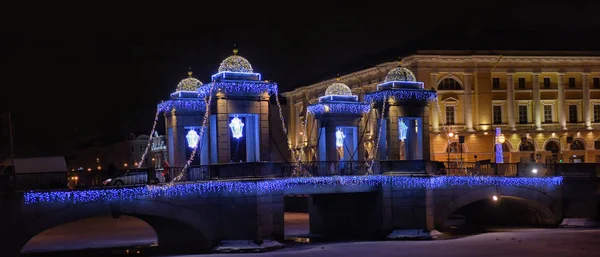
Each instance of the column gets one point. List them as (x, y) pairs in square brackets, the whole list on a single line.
[(537, 108), (435, 118), (510, 100), (468, 108), (586, 100), (562, 118)]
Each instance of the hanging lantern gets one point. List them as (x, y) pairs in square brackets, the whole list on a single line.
[(402, 128), (192, 138), (237, 127), (501, 139), (339, 138)]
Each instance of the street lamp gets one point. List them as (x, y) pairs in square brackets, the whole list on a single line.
[(500, 139)]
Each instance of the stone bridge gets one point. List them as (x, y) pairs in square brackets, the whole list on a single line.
[(193, 217)]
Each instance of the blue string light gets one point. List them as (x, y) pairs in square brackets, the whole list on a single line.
[(268, 186), (190, 105), (339, 108), (401, 94), (253, 87)]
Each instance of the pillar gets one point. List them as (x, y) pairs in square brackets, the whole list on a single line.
[(393, 142), (510, 101), (586, 100), (562, 118), (468, 108), (361, 129), (435, 118), (537, 108)]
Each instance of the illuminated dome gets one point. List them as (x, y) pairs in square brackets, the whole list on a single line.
[(400, 74), (338, 88), (188, 84), (235, 63)]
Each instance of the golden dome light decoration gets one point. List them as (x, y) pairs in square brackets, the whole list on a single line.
[(400, 74), (338, 88), (235, 63), (189, 84)]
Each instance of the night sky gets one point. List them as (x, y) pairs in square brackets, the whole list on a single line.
[(74, 73)]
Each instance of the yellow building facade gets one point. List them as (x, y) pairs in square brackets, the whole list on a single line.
[(547, 105)]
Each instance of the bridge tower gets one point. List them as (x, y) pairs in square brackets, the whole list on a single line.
[(184, 113), (338, 114), (239, 113), (405, 126)]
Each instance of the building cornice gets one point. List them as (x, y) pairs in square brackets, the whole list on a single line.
[(354, 76), (453, 57), (499, 58)]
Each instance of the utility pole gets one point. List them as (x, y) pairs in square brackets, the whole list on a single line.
[(12, 140)]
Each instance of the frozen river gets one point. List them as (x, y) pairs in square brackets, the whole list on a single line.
[(102, 232)]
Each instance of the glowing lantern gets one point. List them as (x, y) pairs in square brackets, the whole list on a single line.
[(339, 138), (402, 128), (192, 138), (501, 139), (237, 127)]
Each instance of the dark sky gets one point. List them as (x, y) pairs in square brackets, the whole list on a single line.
[(72, 73)]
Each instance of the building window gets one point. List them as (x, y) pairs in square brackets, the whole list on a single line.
[(571, 82), (449, 84), (573, 113), (527, 146), (450, 115), (548, 113), (546, 83), (497, 114), (596, 82), (521, 82), (578, 145), (522, 114), (496, 83), (597, 113)]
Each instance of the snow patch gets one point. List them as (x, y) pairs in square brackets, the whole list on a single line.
[(246, 246), (410, 234)]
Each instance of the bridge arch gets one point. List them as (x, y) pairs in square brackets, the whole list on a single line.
[(177, 228), (544, 203)]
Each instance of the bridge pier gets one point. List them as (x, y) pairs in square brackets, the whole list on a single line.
[(406, 208)]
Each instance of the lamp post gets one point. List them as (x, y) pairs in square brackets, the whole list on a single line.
[(450, 135), (500, 139)]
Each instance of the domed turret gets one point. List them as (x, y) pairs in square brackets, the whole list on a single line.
[(189, 84), (235, 63), (338, 88), (400, 74)]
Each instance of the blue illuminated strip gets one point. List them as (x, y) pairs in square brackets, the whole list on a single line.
[(255, 87), (190, 105), (268, 186), (401, 94), (339, 108)]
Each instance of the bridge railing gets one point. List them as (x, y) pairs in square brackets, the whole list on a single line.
[(496, 169), (333, 168)]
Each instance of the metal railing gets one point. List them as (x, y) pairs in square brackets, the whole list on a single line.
[(261, 170), (496, 169), (339, 168)]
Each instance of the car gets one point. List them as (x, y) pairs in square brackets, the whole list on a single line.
[(130, 177)]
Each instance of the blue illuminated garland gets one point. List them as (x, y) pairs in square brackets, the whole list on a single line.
[(253, 87), (268, 186), (190, 105), (339, 108), (401, 94)]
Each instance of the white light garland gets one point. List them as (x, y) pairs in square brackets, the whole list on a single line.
[(191, 159), (370, 170), (139, 164)]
